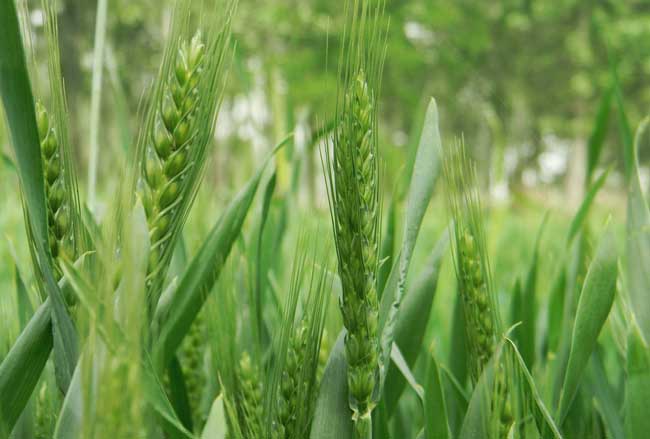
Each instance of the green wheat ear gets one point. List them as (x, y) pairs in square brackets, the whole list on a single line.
[(60, 236), (172, 145), (250, 397), (294, 382), (480, 307), (167, 158), (353, 191)]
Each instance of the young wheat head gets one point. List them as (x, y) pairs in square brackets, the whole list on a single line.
[(58, 210), (471, 261)]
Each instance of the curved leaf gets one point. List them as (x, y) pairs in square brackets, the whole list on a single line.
[(583, 210), (18, 102), (215, 426), (593, 308), (332, 416), (637, 386), (425, 174), (435, 409), (638, 240), (22, 367), (412, 323), (173, 320)]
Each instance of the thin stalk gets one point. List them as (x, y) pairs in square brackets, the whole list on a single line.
[(95, 99)]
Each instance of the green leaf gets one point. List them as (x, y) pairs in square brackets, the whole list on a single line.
[(458, 355), (405, 370), (69, 424), (413, 321), (215, 426), (332, 416), (476, 424), (456, 376), (527, 311), (638, 240), (556, 310), (541, 414), (593, 308), (583, 210), (425, 173), (8, 162), (173, 320), (516, 303), (24, 304), (18, 102), (605, 396), (22, 367), (623, 125), (178, 393), (597, 138), (154, 394), (21, 117), (637, 386), (387, 251), (435, 408), (257, 301), (380, 427)]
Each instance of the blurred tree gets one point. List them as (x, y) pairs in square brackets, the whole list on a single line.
[(506, 73)]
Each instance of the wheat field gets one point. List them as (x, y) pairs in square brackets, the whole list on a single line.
[(306, 283)]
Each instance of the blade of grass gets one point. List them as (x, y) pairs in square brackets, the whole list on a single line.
[(435, 407), (24, 304), (637, 386), (605, 396), (623, 125), (541, 414), (215, 426), (387, 251), (583, 210), (525, 333), (174, 320), (413, 321), (18, 102), (593, 308), (597, 137), (638, 239), (95, 99), (22, 367), (178, 393), (332, 415), (258, 321), (477, 419), (425, 174)]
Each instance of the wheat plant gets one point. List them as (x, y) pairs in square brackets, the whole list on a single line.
[(353, 187), (473, 274)]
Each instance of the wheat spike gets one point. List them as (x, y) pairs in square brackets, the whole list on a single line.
[(58, 209), (250, 397), (167, 156), (480, 308)]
